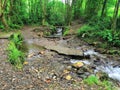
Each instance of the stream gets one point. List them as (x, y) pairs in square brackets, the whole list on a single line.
[(110, 67), (53, 68), (96, 61)]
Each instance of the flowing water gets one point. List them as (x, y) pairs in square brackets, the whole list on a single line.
[(59, 31), (110, 67)]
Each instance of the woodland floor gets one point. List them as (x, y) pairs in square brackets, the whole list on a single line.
[(46, 69)]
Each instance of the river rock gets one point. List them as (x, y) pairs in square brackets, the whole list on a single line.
[(65, 50), (77, 64), (68, 77)]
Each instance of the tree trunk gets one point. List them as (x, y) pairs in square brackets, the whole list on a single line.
[(103, 8), (68, 15), (2, 15), (4, 22), (92, 8), (43, 7), (114, 20), (77, 6)]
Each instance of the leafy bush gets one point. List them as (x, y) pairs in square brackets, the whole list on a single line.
[(66, 31), (113, 38), (106, 35), (15, 26), (99, 32), (91, 80), (1, 26), (55, 13), (17, 39), (86, 29), (108, 85), (15, 55), (100, 23)]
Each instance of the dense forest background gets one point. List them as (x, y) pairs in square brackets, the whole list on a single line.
[(101, 18)]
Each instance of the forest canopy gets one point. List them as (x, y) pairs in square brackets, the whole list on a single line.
[(16, 13)]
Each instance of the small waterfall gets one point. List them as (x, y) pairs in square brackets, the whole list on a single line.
[(59, 31)]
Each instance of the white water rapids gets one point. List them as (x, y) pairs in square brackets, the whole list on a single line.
[(108, 68)]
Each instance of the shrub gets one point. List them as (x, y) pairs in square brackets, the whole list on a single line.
[(55, 13), (17, 39), (100, 23), (15, 56), (66, 31), (15, 26), (113, 38), (108, 85), (91, 80), (95, 32), (86, 29)]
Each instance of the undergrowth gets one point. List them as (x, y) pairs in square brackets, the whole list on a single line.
[(15, 54), (93, 80), (99, 30)]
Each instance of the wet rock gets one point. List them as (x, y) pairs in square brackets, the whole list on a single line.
[(25, 63), (97, 62), (102, 76), (101, 50), (66, 71), (47, 80), (41, 52), (65, 50), (68, 77), (77, 64), (69, 68), (31, 55), (80, 72)]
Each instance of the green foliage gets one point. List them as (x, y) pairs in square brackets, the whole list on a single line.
[(91, 80), (107, 35), (17, 39), (108, 85), (1, 26), (86, 30), (15, 55), (15, 26), (55, 13), (98, 28), (118, 23), (92, 8), (113, 38), (66, 31), (99, 23)]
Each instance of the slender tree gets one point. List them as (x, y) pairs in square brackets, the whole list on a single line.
[(115, 14), (104, 7), (77, 6), (92, 8), (3, 4), (43, 4), (68, 14)]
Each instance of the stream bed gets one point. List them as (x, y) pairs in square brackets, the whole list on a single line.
[(62, 65), (102, 63), (47, 69)]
